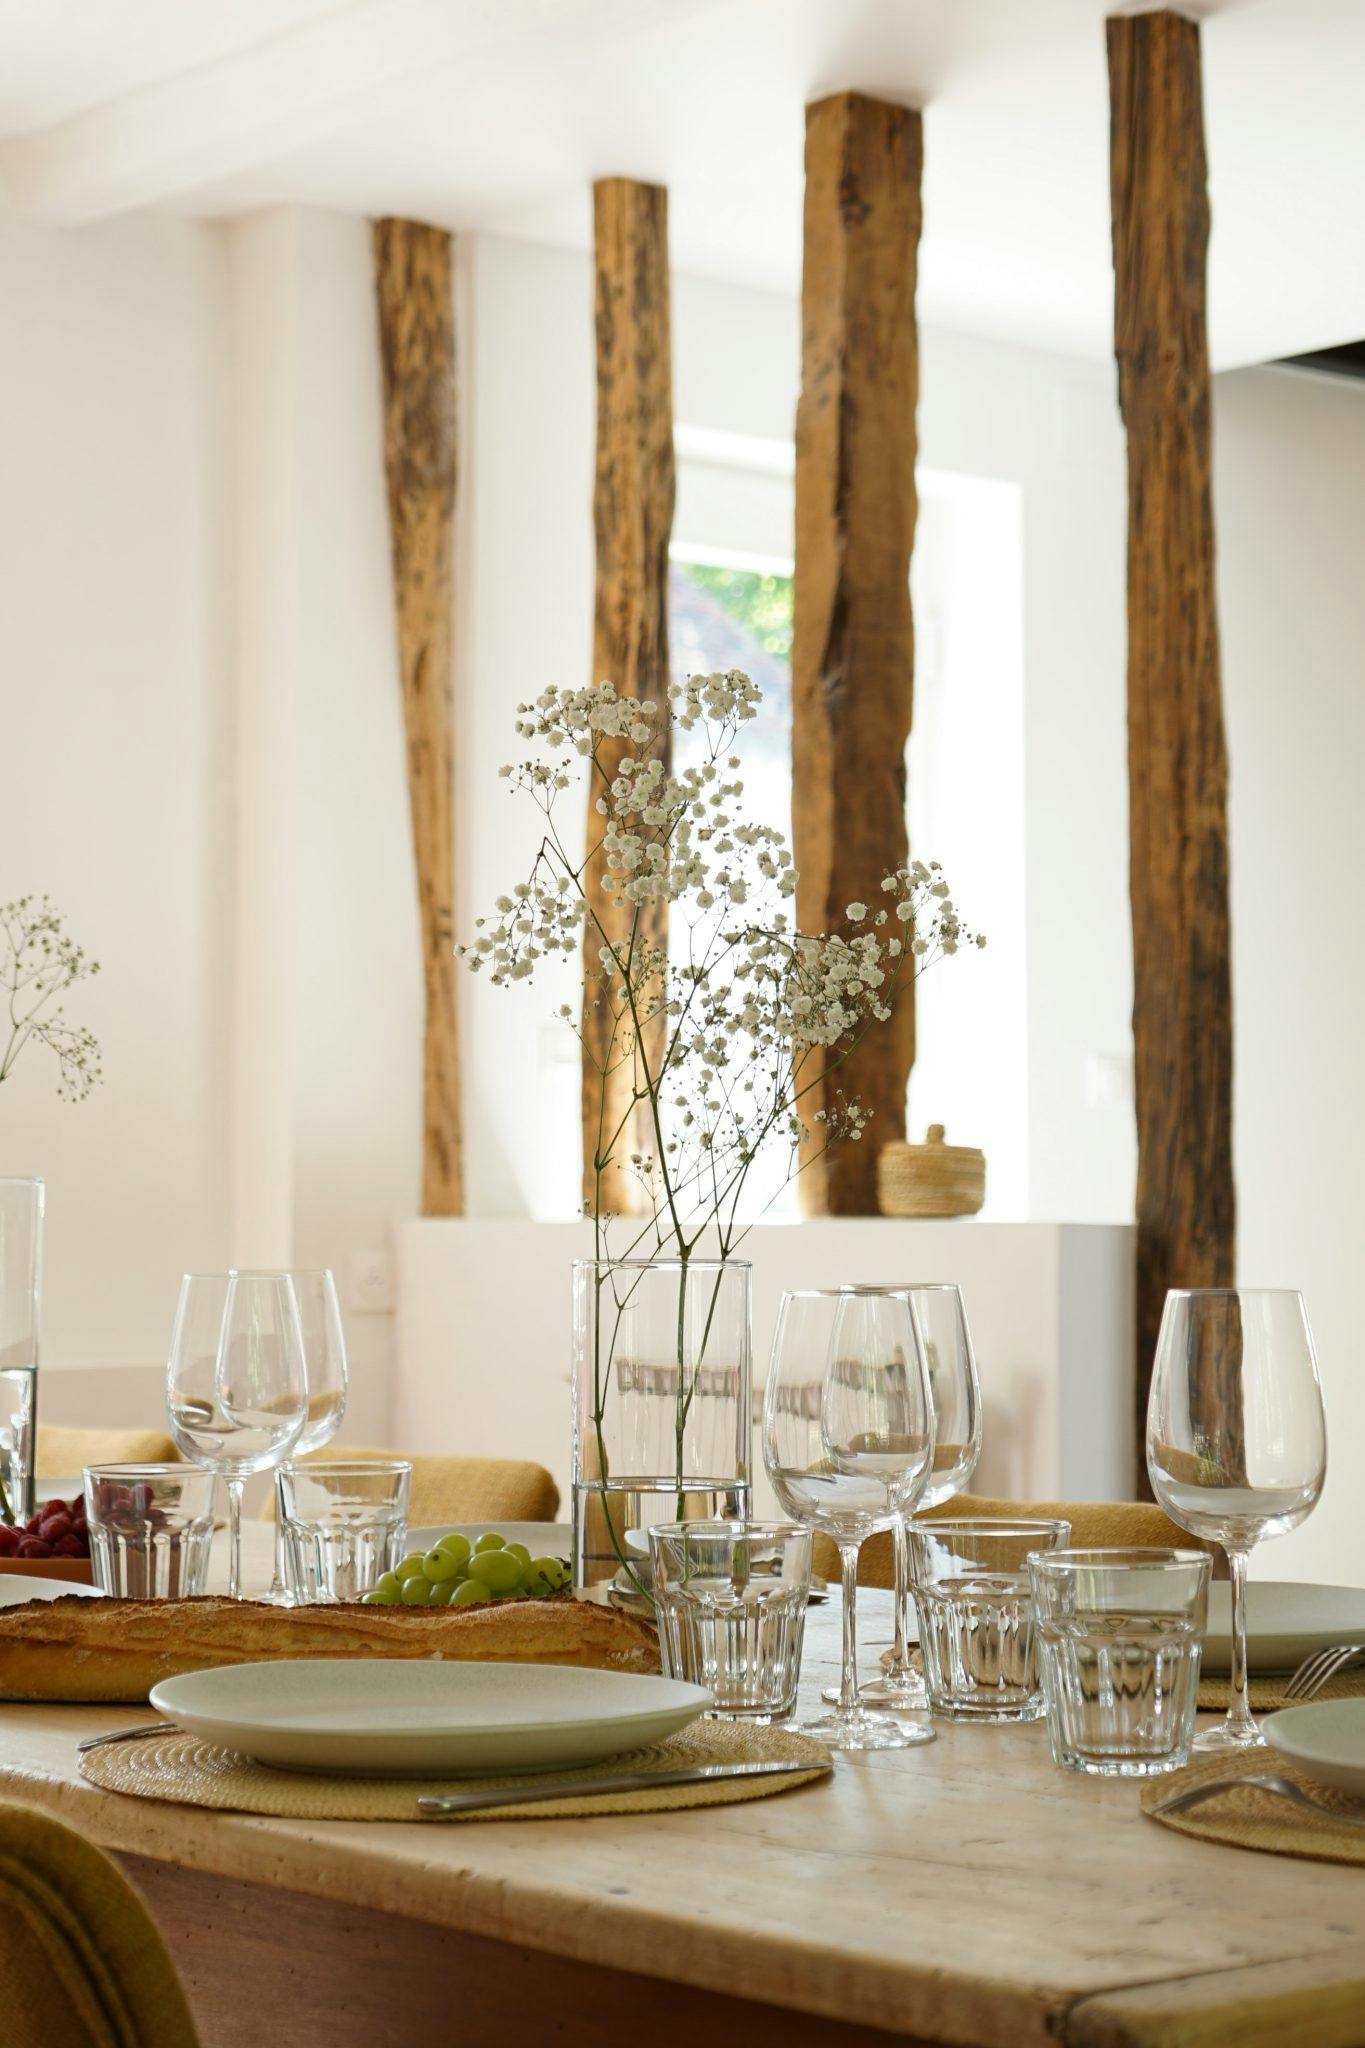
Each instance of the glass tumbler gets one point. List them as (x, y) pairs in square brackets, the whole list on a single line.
[(1120, 1634), (343, 1522), (731, 1603), (151, 1529), (976, 1614)]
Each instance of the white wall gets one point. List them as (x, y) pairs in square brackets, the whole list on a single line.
[(1290, 458)]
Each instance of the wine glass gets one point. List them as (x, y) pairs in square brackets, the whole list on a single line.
[(941, 1319), (327, 1379), (1236, 1439), (848, 1442), (236, 1393)]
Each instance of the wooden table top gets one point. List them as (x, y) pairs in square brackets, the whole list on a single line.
[(966, 1891)]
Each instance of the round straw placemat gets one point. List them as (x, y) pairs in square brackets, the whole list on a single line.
[(189, 1772), (1244, 1818)]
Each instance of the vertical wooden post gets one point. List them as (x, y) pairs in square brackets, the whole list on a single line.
[(853, 641), (1177, 759), (417, 346), (633, 521)]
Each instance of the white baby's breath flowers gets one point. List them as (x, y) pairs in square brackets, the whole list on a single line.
[(726, 1043)]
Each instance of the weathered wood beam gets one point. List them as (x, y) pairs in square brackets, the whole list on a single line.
[(1177, 758), (853, 640), (633, 520), (417, 347)]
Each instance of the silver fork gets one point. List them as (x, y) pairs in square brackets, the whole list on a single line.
[(124, 1735), (1266, 1781), (1319, 1669)]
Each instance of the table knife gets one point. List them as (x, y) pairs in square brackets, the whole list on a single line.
[(617, 1781)]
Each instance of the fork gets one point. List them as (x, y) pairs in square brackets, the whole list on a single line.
[(1319, 1669), (1266, 1781), (124, 1735)]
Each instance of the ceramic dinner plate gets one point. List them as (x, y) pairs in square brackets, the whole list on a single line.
[(1285, 1623), (18, 1587), (1326, 1739), (542, 1539), (396, 1717)]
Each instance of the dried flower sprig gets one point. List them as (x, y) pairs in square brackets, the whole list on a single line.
[(38, 963)]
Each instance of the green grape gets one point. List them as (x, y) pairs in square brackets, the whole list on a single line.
[(439, 1565), (470, 1594), (442, 1593), (495, 1569), (541, 1577), (490, 1540), (411, 1566), (378, 1599), (389, 1585), (416, 1592), (519, 1550), (456, 1546)]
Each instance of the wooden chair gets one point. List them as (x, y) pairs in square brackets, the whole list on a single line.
[(464, 1489), (1095, 1525), (64, 1453), (82, 1962)]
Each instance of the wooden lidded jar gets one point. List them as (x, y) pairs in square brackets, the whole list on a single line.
[(932, 1179)]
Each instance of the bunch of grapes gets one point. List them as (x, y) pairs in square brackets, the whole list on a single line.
[(57, 1530), (458, 1573)]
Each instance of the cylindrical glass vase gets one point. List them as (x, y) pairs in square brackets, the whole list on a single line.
[(21, 1271), (662, 1421)]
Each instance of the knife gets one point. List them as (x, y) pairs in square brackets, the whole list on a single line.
[(619, 1781)]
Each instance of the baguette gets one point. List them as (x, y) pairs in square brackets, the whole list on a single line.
[(72, 1649)]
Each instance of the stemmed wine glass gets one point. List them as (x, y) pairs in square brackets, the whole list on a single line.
[(327, 1380), (1236, 1439), (848, 1442), (955, 1390), (236, 1393)]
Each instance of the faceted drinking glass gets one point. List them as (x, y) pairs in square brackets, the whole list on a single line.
[(343, 1521), (1236, 1439), (731, 1604), (1120, 1633), (975, 1610), (151, 1529)]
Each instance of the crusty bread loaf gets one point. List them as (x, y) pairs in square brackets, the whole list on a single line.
[(75, 1649)]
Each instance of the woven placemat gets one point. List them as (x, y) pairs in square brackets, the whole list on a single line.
[(1267, 1693), (1244, 1818), (188, 1772)]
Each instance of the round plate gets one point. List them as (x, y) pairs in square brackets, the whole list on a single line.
[(1325, 1738), (402, 1717), (17, 1587), (1285, 1623)]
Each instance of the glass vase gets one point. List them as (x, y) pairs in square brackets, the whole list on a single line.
[(661, 1406), (21, 1265)]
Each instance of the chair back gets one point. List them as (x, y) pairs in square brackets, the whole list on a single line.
[(464, 1489), (64, 1453)]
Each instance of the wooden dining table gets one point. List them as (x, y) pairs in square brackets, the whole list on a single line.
[(965, 1892)]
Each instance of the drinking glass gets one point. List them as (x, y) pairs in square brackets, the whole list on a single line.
[(21, 1268), (976, 1614), (236, 1393), (151, 1529), (324, 1366), (731, 1602), (1120, 1634), (1236, 1439), (342, 1522), (848, 1442), (955, 1389)]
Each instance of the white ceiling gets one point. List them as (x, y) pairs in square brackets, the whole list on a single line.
[(496, 114)]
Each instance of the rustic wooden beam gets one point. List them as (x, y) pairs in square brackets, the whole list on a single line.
[(633, 520), (1177, 758), (417, 348), (853, 640)]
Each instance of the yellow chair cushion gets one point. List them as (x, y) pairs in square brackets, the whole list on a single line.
[(64, 1453), (464, 1489), (82, 1963), (1095, 1525)]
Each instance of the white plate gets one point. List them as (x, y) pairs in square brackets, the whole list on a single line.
[(1325, 1738), (542, 1539), (400, 1717), (1285, 1623), (17, 1587)]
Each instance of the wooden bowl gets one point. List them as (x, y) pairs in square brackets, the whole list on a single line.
[(77, 1571)]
